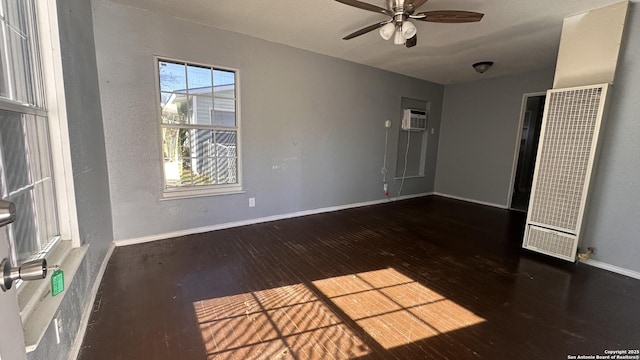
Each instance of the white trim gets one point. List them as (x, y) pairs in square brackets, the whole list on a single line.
[(612, 268), (516, 153), (58, 126), (197, 191), (410, 177), (506, 207), (192, 193), (88, 307), (233, 224)]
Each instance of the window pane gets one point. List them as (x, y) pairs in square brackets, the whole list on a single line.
[(26, 239), (15, 13), (226, 145), (203, 142), (204, 170), (176, 110), (227, 170), (12, 140), (202, 106), (20, 64), (224, 84), (38, 142), (47, 221), (170, 148), (26, 167), (177, 156), (199, 79), (172, 77), (226, 137), (4, 67), (224, 112)]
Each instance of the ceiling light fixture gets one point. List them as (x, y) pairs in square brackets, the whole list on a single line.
[(387, 31), (401, 32), (408, 30), (482, 66), (399, 38)]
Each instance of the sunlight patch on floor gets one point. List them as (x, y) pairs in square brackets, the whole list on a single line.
[(394, 309), (281, 323)]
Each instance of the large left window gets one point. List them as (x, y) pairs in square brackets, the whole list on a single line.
[(26, 176)]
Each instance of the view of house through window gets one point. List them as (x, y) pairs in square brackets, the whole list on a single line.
[(199, 126), (26, 176)]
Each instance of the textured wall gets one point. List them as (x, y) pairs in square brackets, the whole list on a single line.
[(89, 167), (479, 132), (312, 125), (612, 224)]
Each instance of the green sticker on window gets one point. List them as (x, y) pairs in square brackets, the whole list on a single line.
[(57, 282)]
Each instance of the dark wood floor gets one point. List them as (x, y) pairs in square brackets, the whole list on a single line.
[(428, 278)]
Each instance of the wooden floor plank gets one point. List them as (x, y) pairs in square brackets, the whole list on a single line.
[(428, 278)]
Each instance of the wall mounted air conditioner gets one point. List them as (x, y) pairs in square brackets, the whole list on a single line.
[(414, 120), (567, 154)]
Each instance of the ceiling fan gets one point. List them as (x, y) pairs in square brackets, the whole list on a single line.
[(399, 26)]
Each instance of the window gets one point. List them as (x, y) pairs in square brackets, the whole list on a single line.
[(26, 176), (200, 130)]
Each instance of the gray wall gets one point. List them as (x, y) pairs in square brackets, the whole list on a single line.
[(478, 135), (312, 126), (89, 169), (612, 224)]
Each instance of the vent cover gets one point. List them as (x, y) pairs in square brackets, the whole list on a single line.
[(565, 162), (552, 242)]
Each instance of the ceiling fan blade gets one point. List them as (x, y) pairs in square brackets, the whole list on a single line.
[(365, 30), (448, 16), (366, 6), (412, 41), (415, 3)]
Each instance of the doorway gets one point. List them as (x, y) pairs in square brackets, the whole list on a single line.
[(531, 120)]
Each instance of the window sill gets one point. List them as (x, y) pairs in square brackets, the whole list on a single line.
[(37, 306), (175, 194)]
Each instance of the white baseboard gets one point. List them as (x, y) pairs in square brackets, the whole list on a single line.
[(86, 314), (233, 224), (472, 200), (612, 268)]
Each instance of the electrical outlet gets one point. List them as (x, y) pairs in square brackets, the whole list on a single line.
[(385, 187), (252, 202), (433, 131)]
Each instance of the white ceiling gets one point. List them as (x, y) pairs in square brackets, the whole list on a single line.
[(518, 35)]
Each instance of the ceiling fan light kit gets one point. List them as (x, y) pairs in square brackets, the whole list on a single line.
[(399, 38), (400, 12), (408, 29), (388, 30)]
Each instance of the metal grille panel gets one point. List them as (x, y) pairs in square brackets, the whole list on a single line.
[(552, 242), (564, 157)]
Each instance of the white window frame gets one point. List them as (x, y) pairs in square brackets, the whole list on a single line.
[(200, 190), (37, 307), (47, 16)]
